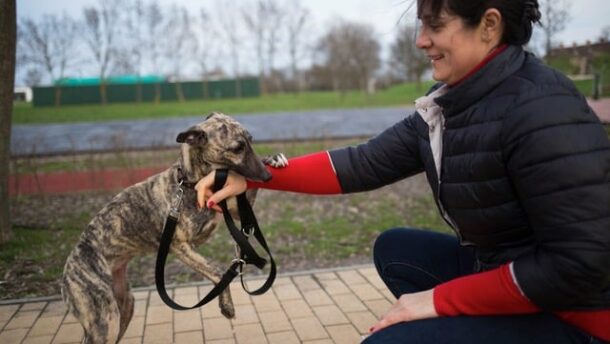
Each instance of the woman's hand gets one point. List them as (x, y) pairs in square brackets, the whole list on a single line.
[(408, 307), (235, 185)]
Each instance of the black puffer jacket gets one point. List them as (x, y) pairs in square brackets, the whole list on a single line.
[(525, 177)]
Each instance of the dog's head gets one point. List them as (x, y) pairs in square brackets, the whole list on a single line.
[(221, 142)]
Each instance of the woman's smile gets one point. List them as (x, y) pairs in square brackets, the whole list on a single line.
[(434, 58)]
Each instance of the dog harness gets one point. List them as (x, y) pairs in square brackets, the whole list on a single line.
[(245, 253)]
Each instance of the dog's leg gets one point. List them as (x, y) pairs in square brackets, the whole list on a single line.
[(87, 288), (123, 295), (188, 256)]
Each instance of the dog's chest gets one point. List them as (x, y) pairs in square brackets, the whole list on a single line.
[(195, 225)]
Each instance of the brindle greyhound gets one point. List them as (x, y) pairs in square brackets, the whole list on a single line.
[(95, 284)]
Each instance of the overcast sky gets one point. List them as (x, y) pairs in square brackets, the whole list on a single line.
[(588, 17)]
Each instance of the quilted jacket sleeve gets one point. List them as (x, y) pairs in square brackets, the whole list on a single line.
[(386, 158), (558, 158)]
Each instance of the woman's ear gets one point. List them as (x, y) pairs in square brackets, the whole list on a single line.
[(491, 26)]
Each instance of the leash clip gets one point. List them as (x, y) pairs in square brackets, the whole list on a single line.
[(241, 263), (248, 231)]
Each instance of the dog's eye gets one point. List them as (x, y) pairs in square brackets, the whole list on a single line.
[(237, 147), (249, 137)]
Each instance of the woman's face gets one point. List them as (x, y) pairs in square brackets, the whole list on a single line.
[(453, 48)]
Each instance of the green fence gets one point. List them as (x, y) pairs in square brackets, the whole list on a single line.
[(130, 93)]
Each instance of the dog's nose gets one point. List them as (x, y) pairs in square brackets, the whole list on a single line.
[(267, 176)]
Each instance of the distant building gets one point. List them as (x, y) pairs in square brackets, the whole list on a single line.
[(22, 94), (581, 57), (116, 80)]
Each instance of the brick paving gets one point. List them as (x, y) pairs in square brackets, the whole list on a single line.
[(312, 307)]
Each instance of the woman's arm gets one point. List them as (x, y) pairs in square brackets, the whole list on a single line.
[(388, 157), (558, 159), (311, 173)]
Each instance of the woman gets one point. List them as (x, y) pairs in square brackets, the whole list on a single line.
[(519, 166)]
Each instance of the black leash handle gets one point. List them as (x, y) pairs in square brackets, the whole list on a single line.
[(248, 224), (248, 254)]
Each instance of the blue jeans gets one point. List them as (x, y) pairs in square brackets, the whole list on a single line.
[(415, 260)]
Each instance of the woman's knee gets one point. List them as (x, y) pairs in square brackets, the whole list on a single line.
[(400, 244), (392, 240)]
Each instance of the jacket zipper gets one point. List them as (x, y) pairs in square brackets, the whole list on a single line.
[(439, 204), (448, 218)]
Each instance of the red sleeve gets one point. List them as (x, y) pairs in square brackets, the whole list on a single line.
[(485, 293), (495, 292), (312, 174)]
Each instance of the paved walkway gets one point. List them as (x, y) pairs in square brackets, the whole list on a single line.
[(601, 108), (321, 307), (51, 139)]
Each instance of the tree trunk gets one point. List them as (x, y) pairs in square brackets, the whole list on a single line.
[(57, 95), (157, 93), (8, 33), (238, 89), (179, 92), (418, 85), (103, 96), (139, 92), (205, 89)]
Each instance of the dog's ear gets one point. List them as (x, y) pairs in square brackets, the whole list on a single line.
[(192, 137), (211, 115)]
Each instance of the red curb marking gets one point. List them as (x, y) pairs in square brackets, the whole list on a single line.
[(66, 182)]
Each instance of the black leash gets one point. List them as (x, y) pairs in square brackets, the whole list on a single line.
[(247, 253)]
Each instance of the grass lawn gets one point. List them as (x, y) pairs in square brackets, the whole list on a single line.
[(393, 96)]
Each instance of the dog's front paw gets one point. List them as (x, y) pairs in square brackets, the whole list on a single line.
[(227, 310), (276, 160), (225, 301)]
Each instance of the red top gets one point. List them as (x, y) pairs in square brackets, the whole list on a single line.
[(494, 292), (312, 174)]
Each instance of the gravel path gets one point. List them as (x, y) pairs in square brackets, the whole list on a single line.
[(52, 139)]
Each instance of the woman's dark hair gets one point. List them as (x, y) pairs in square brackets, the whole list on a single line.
[(519, 15)]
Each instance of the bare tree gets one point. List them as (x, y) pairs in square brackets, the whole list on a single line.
[(297, 21), (153, 17), (33, 77), (229, 30), (555, 16), (276, 16), (179, 43), (605, 34), (133, 52), (350, 51), (8, 47), (101, 25), (406, 59), (49, 44), (205, 48), (256, 21), (265, 23)]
